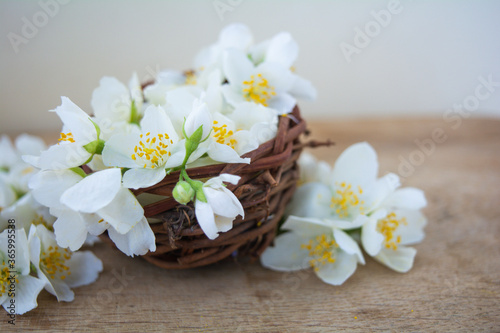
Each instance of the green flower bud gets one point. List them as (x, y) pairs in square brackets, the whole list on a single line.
[(183, 192)]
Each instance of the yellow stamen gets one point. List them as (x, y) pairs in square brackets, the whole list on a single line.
[(345, 199), (387, 227), (258, 90)]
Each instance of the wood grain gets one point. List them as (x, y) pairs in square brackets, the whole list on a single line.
[(454, 285)]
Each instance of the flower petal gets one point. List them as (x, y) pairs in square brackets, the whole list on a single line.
[(138, 178), (286, 255), (223, 153), (27, 291), (48, 186), (311, 200), (138, 241), (237, 67), (406, 198), (337, 273), (371, 239), (63, 156), (94, 191), (84, 267), (348, 245), (70, 230), (400, 260), (283, 49), (124, 212), (303, 89), (206, 220), (357, 165)]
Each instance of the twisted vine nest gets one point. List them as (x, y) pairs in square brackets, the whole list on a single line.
[(265, 188)]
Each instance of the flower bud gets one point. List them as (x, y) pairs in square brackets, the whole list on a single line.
[(183, 192)]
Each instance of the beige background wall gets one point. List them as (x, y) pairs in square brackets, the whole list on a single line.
[(424, 59)]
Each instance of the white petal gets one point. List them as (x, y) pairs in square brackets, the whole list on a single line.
[(233, 94), (138, 241), (29, 145), (94, 191), (27, 291), (227, 178), (199, 117), (63, 156), (237, 67), (286, 255), (413, 231), (283, 103), (357, 165), (205, 217), (338, 272), (303, 89), (157, 122), (223, 223), (70, 230), (279, 77), (400, 260), (223, 203), (311, 200), (7, 194), (48, 186), (223, 153), (76, 121), (282, 49), (118, 150), (371, 239), (236, 36), (111, 100), (84, 267), (348, 245), (406, 198), (138, 178), (124, 212), (380, 190), (8, 155), (307, 227)]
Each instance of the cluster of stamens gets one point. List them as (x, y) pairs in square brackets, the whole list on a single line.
[(345, 198), (322, 250), (190, 78), (5, 281), (387, 227), (152, 150), (53, 262), (67, 137), (222, 135), (258, 90)]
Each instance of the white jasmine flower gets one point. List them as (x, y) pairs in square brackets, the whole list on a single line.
[(353, 193), (398, 222), (61, 269), (234, 36), (166, 81), (331, 252), (15, 269), (283, 49), (148, 154), (221, 207), (78, 142), (266, 84), (117, 108), (93, 205)]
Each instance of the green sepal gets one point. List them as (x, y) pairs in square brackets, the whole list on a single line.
[(135, 117), (79, 171)]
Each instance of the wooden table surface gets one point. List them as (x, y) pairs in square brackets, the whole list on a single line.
[(454, 285)]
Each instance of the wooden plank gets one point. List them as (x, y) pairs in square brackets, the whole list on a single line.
[(453, 286)]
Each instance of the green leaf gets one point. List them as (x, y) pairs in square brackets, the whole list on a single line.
[(135, 117)]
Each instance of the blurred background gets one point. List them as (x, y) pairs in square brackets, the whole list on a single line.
[(377, 58)]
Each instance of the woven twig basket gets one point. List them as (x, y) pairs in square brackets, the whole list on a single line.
[(265, 188)]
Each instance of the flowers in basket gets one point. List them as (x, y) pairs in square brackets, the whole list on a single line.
[(55, 200)]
